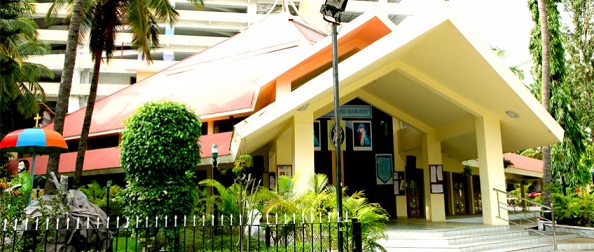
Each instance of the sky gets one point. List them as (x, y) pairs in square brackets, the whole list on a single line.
[(505, 24)]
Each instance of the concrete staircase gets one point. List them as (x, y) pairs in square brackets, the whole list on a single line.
[(469, 238)]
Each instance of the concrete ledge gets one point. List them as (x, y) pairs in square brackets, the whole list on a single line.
[(586, 232), (576, 244)]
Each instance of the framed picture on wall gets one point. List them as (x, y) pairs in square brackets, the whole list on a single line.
[(284, 170), (384, 169), (362, 135), (317, 136)]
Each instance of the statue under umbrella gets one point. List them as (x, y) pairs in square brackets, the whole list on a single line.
[(34, 141)]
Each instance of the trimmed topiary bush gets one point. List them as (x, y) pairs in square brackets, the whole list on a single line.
[(159, 153)]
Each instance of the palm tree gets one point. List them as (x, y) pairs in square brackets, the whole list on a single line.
[(105, 18), (19, 80), (65, 84), (546, 93)]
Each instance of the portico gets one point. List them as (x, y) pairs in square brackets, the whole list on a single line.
[(438, 93)]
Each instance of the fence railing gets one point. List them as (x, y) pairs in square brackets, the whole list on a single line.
[(176, 234), (517, 206)]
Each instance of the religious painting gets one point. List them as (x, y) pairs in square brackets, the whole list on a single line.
[(362, 135), (331, 130)]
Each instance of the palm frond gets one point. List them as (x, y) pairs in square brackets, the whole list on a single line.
[(140, 22), (33, 47), (27, 105), (163, 11), (215, 184), (34, 72), (55, 8), (198, 4)]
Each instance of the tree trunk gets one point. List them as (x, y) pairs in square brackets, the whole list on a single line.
[(65, 86), (546, 94), (84, 134)]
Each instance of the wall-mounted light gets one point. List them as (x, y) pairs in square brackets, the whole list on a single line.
[(512, 114), (303, 108)]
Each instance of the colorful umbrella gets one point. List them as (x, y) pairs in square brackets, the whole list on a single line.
[(34, 141)]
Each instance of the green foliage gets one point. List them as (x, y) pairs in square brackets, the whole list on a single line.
[(4, 157), (200, 206), (228, 200), (95, 194), (11, 206), (577, 208), (98, 196), (571, 167), (20, 91), (304, 200), (372, 217), (311, 197), (159, 153), (467, 170), (243, 162), (565, 102), (579, 47), (103, 19)]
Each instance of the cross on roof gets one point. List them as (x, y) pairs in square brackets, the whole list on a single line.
[(37, 117)]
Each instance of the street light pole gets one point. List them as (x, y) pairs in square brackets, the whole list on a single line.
[(337, 138), (107, 203), (214, 150), (334, 8)]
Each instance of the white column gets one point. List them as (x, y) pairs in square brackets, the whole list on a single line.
[(490, 158), (303, 144), (434, 203), (284, 149), (401, 205)]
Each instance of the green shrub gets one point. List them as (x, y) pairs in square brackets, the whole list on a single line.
[(159, 153), (98, 196), (577, 208), (11, 206)]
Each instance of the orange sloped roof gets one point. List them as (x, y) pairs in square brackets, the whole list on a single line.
[(94, 160), (107, 158), (524, 163), (222, 80)]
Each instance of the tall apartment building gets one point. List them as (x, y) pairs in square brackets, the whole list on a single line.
[(195, 31)]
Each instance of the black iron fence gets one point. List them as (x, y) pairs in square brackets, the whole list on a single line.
[(185, 234)]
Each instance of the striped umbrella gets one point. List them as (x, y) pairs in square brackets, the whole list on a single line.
[(34, 141)]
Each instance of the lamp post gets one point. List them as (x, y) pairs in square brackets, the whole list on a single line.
[(214, 150), (107, 204), (333, 9)]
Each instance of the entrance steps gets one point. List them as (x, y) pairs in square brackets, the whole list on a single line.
[(468, 238)]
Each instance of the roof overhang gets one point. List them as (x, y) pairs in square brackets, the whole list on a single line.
[(433, 73), (520, 165), (523, 172)]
